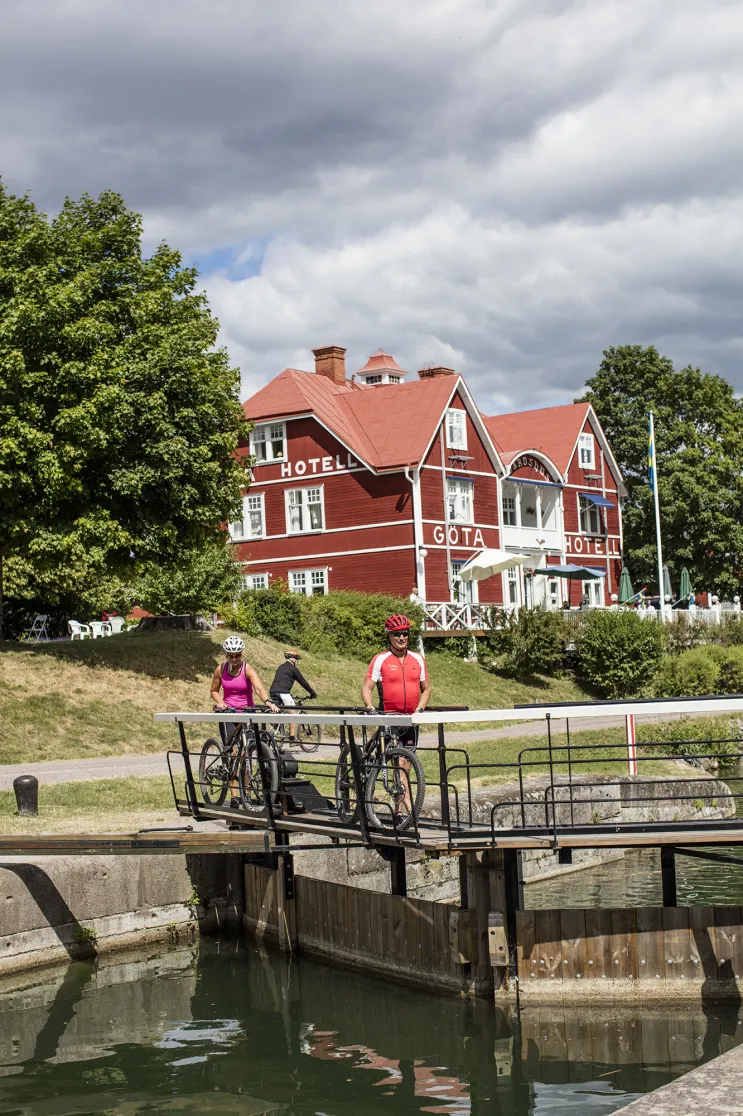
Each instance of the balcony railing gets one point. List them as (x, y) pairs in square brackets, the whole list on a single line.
[(457, 617)]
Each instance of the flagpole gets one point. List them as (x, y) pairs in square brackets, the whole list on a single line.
[(661, 594)]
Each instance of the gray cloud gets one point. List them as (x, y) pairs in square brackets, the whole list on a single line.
[(505, 187)]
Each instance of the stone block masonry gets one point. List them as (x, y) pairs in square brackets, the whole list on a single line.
[(57, 908)]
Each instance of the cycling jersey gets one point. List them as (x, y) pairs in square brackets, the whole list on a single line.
[(398, 679)]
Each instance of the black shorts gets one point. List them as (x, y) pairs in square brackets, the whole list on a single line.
[(409, 738)]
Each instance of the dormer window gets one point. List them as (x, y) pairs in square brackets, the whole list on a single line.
[(268, 442), (374, 379), (456, 428), (586, 452)]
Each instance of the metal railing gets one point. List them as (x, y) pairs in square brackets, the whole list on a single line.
[(555, 789)]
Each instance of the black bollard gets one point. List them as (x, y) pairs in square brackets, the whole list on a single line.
[(26, 789)]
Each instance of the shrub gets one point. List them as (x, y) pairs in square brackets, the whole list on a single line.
[(535, 642), (686, 633), (690, 674), (620, 652), (344, 622), (730, 663), (692, 736), (730, 633)]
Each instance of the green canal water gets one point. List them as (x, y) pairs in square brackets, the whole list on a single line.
[(225, 1028)]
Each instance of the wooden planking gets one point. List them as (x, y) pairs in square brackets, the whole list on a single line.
[(526, 952), (702, 930), (729, 942), (574, 953), (549, 945), (681, 955), (598, 944), (651, 963), (623, 942)]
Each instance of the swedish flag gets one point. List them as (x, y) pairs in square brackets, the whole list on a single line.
[(651, 454)]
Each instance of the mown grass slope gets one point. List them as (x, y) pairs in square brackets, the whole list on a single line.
[(97, 697)]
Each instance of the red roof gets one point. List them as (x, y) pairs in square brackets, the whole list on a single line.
[(551, 430), (387, 427)]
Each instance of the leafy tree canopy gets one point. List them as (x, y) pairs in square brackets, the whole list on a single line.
[(118, 416), (699, 450)]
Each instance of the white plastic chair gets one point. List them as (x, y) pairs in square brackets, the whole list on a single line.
[(98, 628), (38, 631), (116, 624), (78, 630)]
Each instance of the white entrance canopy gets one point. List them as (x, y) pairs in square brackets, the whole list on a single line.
[(489, 562)]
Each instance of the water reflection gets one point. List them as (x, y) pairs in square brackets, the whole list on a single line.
[(230, 1030), (635, 881)]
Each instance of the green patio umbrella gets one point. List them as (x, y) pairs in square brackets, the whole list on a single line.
[(685, 592), (626, 592)]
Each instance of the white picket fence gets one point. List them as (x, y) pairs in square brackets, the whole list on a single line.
[(448, 617)]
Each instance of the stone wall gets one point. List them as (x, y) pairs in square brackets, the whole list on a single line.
[(57, 908)]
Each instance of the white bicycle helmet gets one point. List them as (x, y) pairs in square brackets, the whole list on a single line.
[(232, 645)]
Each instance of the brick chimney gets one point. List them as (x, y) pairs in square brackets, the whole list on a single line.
[(330, 361), (429, 373)]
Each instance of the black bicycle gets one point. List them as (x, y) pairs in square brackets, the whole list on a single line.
[(309, 737), (236, 766), (394, 785)]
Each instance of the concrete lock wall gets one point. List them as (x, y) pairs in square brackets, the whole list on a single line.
[(55, 908)]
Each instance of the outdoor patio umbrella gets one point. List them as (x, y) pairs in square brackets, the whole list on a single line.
[(572, 572), (685, 591), (667, 591), (626, 592), (489, 562)]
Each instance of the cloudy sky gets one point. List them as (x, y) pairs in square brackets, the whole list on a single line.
[(503, 186)]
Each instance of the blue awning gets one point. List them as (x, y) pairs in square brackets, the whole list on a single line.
[(597, 499)]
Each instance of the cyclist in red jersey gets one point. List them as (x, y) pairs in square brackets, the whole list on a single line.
[(402, 679)]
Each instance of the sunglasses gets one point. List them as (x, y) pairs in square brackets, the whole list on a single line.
[(400, 635)]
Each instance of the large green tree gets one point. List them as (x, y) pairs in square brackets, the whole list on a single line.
[(699, 448), (119, 417)]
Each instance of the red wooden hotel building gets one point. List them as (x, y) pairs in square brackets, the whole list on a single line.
[(384, 482)]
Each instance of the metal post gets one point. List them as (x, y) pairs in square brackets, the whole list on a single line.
[(398, 876), (190, 785), (360, 784), (668, 875), (629, 722), (514, 886), (552, 774), (443, 778)]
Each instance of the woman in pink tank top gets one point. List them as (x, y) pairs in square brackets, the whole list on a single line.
[(238, 681)]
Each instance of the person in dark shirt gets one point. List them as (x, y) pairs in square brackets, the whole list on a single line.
[(285, 677)]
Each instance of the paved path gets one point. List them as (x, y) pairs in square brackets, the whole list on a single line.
[(111, 767)]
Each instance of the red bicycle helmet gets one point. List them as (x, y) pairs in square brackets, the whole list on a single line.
[(397, 624)]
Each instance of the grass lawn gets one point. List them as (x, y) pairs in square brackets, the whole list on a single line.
[(96, 697), (103, 806)]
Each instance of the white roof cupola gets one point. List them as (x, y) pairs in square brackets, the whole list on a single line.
[(380, 369)]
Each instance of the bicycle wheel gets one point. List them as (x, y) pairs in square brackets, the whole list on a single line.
[(249, 775), (308, 737), (214, 772), (385, 790), (345, 788)]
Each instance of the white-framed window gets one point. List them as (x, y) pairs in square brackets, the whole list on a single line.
[(529, 505), (461, 507), (305, 510), (590, 517), (268, 442), (311, 583), (395, 379), (456, 428), (374, 379), (255, 581), (594, 592), (548, 509), (511, 585), (586, 451), (508, 500), (465, 592), (553, 592), (253, 523)]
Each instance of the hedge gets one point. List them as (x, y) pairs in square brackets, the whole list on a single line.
[(342, 622)]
